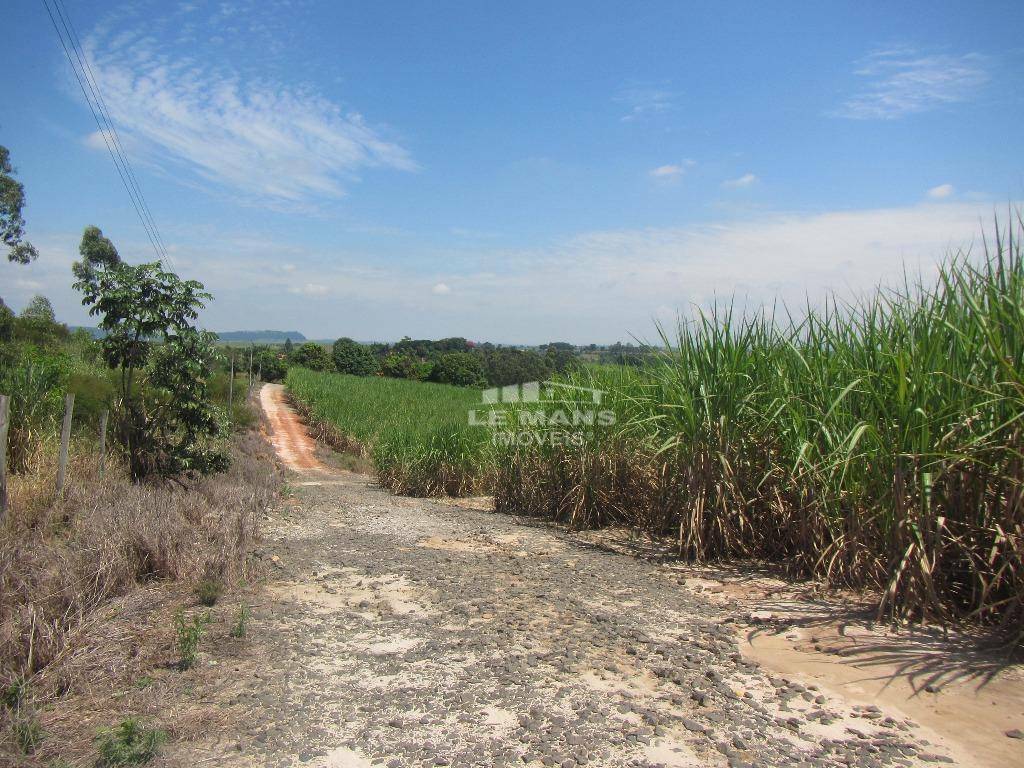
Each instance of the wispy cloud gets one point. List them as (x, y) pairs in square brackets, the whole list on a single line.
[(645, 101), (746, 180), (673, 171), (440, 289), (268, 143), (941, 192), (309, 289), (904, 81)]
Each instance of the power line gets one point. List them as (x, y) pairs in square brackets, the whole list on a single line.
[(69, 27), (106, 127)]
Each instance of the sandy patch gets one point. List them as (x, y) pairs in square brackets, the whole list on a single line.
[(350, 589), (456, 545), (671, 754), (500, 719), (342, 757), (961, 700)]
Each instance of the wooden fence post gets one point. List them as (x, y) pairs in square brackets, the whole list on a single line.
[(103, 441), (5, 422), (65, 439)]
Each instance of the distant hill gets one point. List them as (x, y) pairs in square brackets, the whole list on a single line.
[(255, 337), (260, 336)]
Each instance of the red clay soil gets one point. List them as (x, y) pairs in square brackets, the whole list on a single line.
[(292, 443)]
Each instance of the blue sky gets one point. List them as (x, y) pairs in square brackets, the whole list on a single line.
[(515, 172)]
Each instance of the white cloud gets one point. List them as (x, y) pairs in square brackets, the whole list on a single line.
[(941, 192), (673, 171), (266, 142), (903, 81), (596, 286), (645, 101), (310, 289), (440, 289), (746, 180)]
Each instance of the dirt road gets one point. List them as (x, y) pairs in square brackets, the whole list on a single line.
[(408, 632)]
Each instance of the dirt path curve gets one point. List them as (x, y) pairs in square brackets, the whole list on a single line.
[(409, 632), (293, 445)]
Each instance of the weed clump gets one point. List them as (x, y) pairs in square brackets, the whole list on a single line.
[(240, 627), (129, 743), (188, 633), (209, 590)]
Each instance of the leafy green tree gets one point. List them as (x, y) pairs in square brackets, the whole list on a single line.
[(504, 366), (354, 358), (313, 356), (267, 360), (459, 368), (559, 358), (404, 366), (288, 346), (97, 253), (37, 324), (12, 225), (39, 309), (164, 419)]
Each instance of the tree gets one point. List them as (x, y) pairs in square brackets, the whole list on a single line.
[(39, 309), (405, 367), (313, 356), (505, 366), (37, 324), (269, 363), (163, 417), (288, 348), (352, 357), (459, 368), (12, 225), (97, 253)]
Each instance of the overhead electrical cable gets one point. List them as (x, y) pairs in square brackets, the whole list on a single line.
[(97, 106), (69, 27)]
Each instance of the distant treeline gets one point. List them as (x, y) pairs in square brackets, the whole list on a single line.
[(455, 360)]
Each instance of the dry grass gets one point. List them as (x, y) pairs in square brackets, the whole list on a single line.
[(85, 580)]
